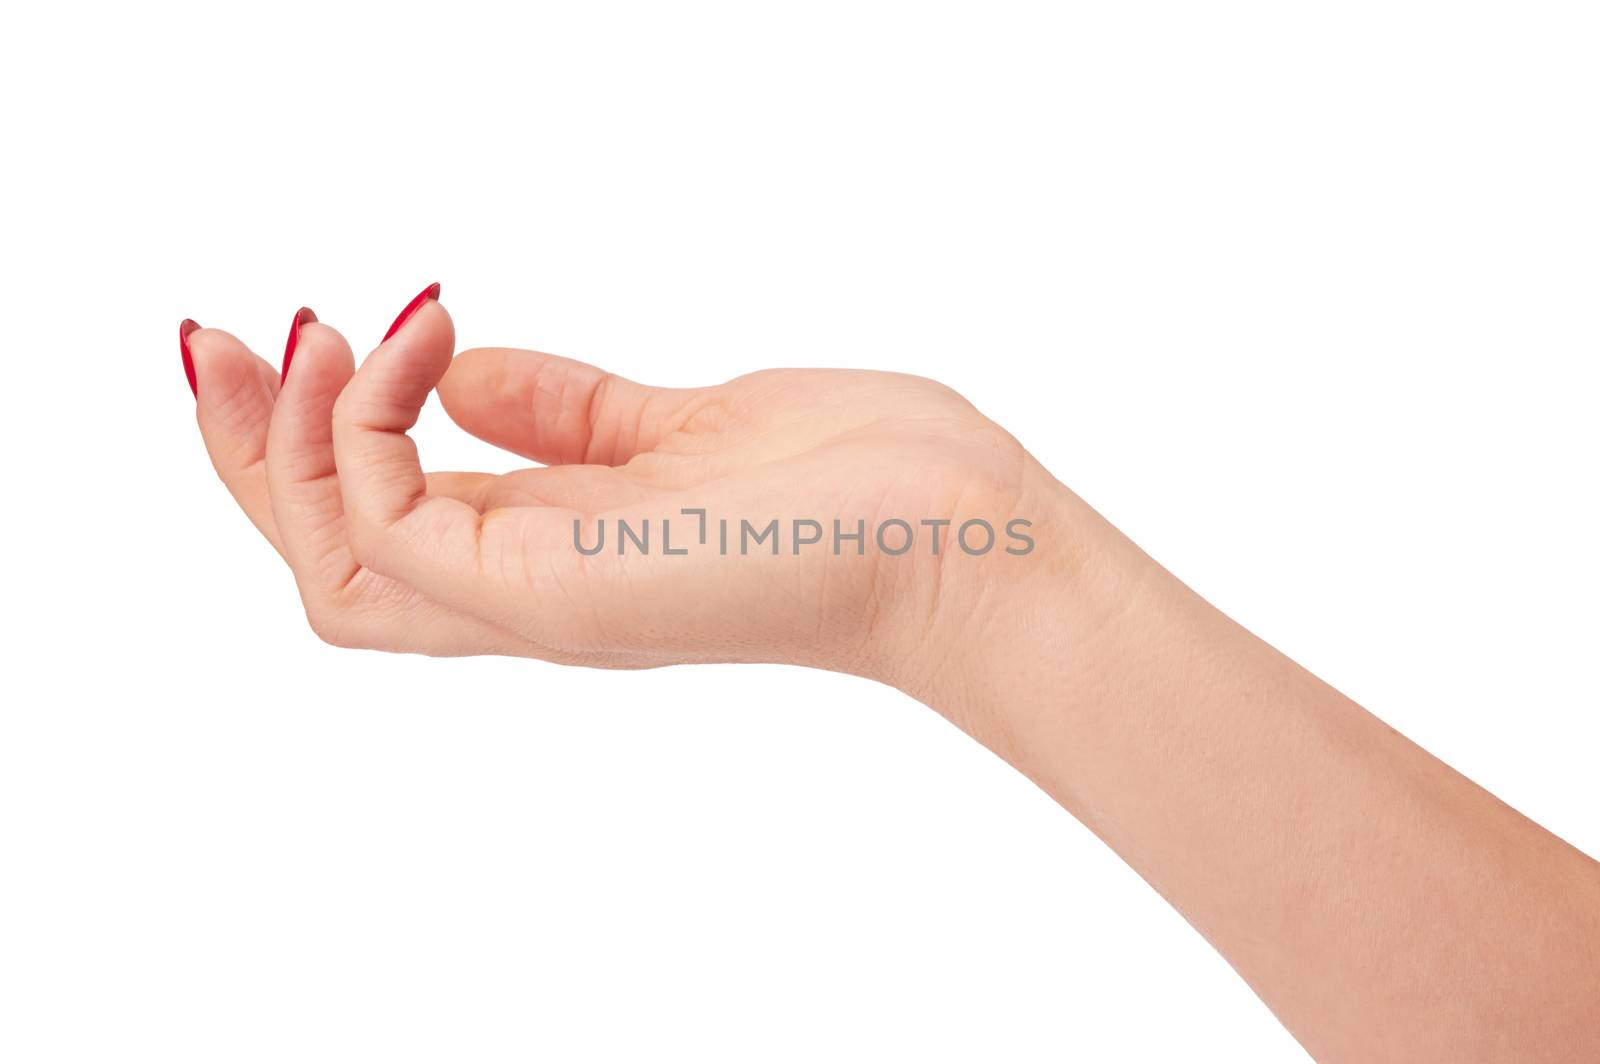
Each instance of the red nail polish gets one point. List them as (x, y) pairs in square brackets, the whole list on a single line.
[(430, 292), (302, 316), (188, 326)]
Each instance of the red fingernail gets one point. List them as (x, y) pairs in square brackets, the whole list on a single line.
[(430, 292), (302, 316), (188, 326)]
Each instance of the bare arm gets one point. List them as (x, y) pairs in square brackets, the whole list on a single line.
[(1384, 906)]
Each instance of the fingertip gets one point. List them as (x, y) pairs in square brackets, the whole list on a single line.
[(407, 366), (428, 295), (316, 351), (472, 373), (222, 364), (209, 344), (429, 327)]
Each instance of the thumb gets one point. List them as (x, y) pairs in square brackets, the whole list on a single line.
[(559, 411)]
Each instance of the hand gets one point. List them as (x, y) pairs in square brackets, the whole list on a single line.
[(1381, 904), (388, 557)]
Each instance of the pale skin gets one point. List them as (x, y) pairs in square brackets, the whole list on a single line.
[(1382, 905)]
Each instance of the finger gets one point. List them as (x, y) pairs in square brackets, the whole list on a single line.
[(393, 524), (558, 411), (512, 567), (345, 604), (383, 482), (234, 394), (300, 441), (302, 482)]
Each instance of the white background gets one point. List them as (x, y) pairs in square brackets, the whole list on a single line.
[(1303, 297)]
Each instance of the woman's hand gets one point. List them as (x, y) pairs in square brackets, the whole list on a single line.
[(1382, 905), (901, 514)]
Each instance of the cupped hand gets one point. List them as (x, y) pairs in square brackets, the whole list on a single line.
[(860, 521)]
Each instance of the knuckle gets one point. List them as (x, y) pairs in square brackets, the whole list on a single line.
[(593, 399)]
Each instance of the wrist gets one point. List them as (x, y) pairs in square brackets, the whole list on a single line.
[(1009, 635)]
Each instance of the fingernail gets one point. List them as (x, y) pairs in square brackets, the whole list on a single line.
[(188, 326), (302, 316), (430, 292)]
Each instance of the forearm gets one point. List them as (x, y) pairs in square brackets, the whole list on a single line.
[(1385, 907)]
